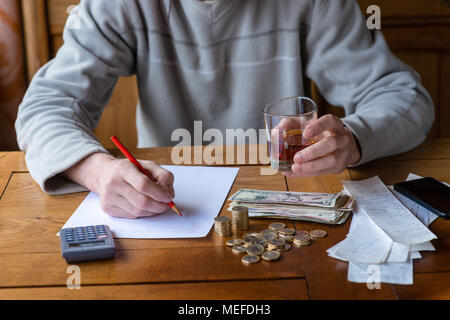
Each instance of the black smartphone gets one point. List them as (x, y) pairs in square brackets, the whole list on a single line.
[(429, 193)]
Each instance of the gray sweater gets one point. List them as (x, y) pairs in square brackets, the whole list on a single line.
[(220, 64)]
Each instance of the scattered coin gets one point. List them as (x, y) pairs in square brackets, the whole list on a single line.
[(239, 249), (271, 255), (255, 249), (234, 242), (222, 226), (260, 241), (286, 237), (302, 232), (250, 238), (248, 259), (276, 243), (286, 247), (277, 226), (239, 218), (287, 231), (269, 234), (317, 234)]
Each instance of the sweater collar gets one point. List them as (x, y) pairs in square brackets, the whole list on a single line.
[(212, 12)]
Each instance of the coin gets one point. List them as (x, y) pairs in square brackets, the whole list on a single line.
[(260, 241), (269, 234), (286, 247), (250, 238), (222, 226), (302, 232), (239, 218), (234, 242), (302, 239), (239, 249), (301, 244), (317, 234), (276, 243), (277, 226), (287, 231), (286, 237), (247, 259), (255, 249), (270, 255)]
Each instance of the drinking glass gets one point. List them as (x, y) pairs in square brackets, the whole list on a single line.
[(285, 121)]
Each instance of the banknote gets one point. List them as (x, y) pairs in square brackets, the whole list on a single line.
[(289, 207), (327, 200), (338, 218)]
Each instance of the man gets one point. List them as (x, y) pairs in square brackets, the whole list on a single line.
[(220, 63)]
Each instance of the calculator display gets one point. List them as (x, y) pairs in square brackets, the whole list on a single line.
[(86, 244)]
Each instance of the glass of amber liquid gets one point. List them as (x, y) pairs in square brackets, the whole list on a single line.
[(285, 121)]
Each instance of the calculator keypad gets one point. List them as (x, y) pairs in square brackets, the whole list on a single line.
[(85, 233)]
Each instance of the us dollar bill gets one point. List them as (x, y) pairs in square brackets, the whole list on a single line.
[(338, 217), (327, 200)]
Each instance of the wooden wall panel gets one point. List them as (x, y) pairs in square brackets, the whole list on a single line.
[(444, 98)]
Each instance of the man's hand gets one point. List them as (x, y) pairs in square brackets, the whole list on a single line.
[(124, 191), (336, 149)]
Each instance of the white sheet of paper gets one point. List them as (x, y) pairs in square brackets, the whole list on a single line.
[(392, 272), (199, 194), (366, 243), (387, 212)]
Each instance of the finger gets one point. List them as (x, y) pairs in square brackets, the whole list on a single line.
[(327, 122), (139, 203), (145, 185), (319, 149), (164, 177), (320, 164), (291, 174), (288, 123), (115, 211)]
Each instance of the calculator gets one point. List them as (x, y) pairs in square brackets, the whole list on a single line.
[(87, 243)]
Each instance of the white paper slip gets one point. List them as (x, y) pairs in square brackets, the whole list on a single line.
[(199, 194), (387, 212), (426, 246), (399, 253), (366, 243), (392, 272)]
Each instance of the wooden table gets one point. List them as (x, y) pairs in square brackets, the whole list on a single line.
[(32, 267)]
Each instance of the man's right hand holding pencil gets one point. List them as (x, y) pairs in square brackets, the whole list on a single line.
[(124, 191)]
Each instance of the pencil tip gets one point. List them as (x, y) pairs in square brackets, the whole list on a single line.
[(177, 211)]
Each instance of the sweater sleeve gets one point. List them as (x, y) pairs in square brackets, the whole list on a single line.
[(387, 108), (66, 97)]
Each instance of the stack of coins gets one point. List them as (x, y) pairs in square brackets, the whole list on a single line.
[(239, 218), (317, 234), (222, 226), (302, 239)]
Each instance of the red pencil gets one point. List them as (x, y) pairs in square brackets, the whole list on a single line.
[(130, 157)]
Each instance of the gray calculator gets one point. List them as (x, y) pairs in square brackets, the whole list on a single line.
[(86, 243)]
